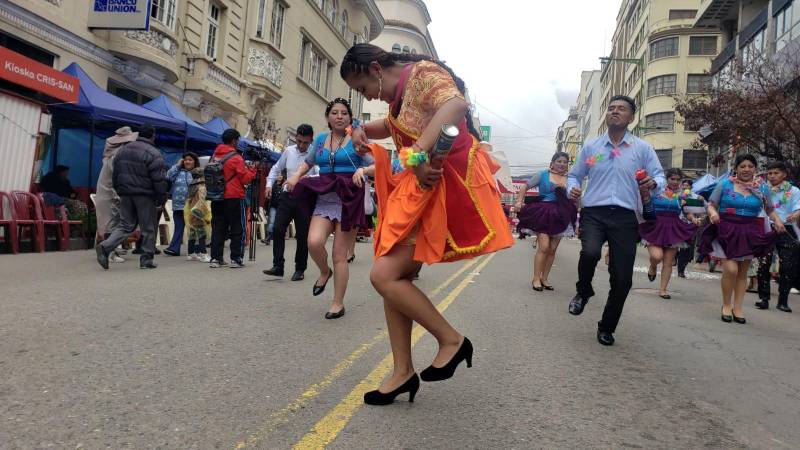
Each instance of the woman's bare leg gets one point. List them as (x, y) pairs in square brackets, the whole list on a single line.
[(551, 258), (740, 288), (389, 276), (540, 258), (666, 268), (730, 276), (318, 233), (656, 256), (342, 242)]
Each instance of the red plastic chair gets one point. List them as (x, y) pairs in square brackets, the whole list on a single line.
[(53, 215), (25, 206), (8, 222)]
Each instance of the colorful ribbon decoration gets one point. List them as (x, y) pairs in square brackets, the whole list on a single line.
[(409, 158)]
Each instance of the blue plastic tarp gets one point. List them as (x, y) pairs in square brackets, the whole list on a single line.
[(100, 105), (703, 182), (194, 131), (217, 125)]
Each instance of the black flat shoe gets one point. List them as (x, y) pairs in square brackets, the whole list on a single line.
[(577, 304), (537, 289), (336, 315), (665, 296), (739, 320), (727, 318), (464, 353), (320, 289), (298, 275), (784, 308), (762, 304), (378, 398), (275, 271), (605, 337), (547, 287), (351, 259), (651, 276)]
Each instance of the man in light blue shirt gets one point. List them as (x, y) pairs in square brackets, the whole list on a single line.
[(785, 198), (609, 209)]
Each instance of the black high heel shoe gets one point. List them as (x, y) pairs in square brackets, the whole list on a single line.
[(739, 320), (378, 398), (537, 289), (464, 353), (727, 318), (320, 289)]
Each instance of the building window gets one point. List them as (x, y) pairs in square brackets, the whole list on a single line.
[(366, 117), (787, 25), (702, 45), (695, 159), (663, 85), (665, 157), (664, 48), (406, 49), (214, 14), (413, 51), (127, 93), (754, 48), (698, 84), (314, 67), (344, 23), (333, 11), (262, 6), (678, 14), (366, 34), (276, 28), (164, 12), (663, 121), (396, 48)]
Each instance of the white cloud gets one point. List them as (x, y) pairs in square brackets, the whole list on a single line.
[(521, 60)]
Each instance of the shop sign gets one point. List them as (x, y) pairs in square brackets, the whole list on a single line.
[(32, 74), (120, 14)]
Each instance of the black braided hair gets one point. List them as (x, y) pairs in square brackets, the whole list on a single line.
[(358, 58), (340, 101)]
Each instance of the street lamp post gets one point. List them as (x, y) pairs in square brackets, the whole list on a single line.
[(640, 63)]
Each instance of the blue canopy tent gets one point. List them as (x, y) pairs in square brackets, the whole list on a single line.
[(203, 140), (94, 118)]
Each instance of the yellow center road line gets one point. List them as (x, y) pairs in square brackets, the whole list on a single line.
[(282, 416), (326, 430)]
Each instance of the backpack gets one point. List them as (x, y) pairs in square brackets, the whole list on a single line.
[(214, 175)]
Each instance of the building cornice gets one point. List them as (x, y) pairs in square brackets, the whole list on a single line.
[(431, 50), (376, 20)]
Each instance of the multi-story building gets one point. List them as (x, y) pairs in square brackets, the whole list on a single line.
[(263, 65), (568, 135), (406, 31), (589, 113), (658, 53)]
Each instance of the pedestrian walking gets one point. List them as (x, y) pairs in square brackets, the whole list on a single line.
[(180, 178), (274, 191), (686, 253), (737, 234), (197, 215), (139, 178), (785, 198), (228, 200), (672, 230), (426, 215), (291, 209), (338, 198), (610, 205), (551, 218)]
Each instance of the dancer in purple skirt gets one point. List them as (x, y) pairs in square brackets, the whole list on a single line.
[(737, 234), (551, 218), (670, 231)]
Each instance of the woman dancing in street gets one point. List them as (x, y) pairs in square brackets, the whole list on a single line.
[(426, 215), (552, 218), (738, 234), (672, 230), (338, 193)]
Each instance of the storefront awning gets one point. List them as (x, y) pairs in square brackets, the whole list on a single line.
[(194, 130)]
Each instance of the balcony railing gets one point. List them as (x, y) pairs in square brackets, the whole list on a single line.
[(758, 22), (724, 56)]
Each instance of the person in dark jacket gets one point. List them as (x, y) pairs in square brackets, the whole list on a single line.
[(228, 214), (274, 202), (140, 181)]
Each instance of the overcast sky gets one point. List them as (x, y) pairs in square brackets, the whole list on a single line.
[(521, 61)]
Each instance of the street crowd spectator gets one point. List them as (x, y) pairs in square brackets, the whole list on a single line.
[(180, 178)]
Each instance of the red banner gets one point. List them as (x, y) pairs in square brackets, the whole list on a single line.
[(37, 76)]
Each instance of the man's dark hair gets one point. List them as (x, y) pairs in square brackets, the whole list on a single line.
[(625, 99), (779, 165), (147, 131), (230, 135), (305, 130), (686, 180), (673, 171)]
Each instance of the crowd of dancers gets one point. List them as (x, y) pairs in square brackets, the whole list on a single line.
[(436, 209)]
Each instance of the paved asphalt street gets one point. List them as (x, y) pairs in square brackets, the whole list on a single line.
[(188, 357)]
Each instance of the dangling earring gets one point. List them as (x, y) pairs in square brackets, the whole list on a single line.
[(380, 87)]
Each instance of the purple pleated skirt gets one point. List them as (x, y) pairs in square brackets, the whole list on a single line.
[(351, 196), (550, 218), (739, 237), (668, 230)]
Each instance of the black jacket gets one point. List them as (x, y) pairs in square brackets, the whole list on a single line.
[(139, 169)]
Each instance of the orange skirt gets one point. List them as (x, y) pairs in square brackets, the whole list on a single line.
[(408, 214)]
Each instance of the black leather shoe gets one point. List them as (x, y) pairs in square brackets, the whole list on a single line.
[(784, 307), (102, 257), (147, 264), (605, 337), (739, 320), (762, 304), (298, 275), (378, 398), (320, 289), (275, 271), (336, 315), (576, 305), (464, 353), (727, 318)]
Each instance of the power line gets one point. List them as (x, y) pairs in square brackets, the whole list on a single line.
[(505, 120)]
